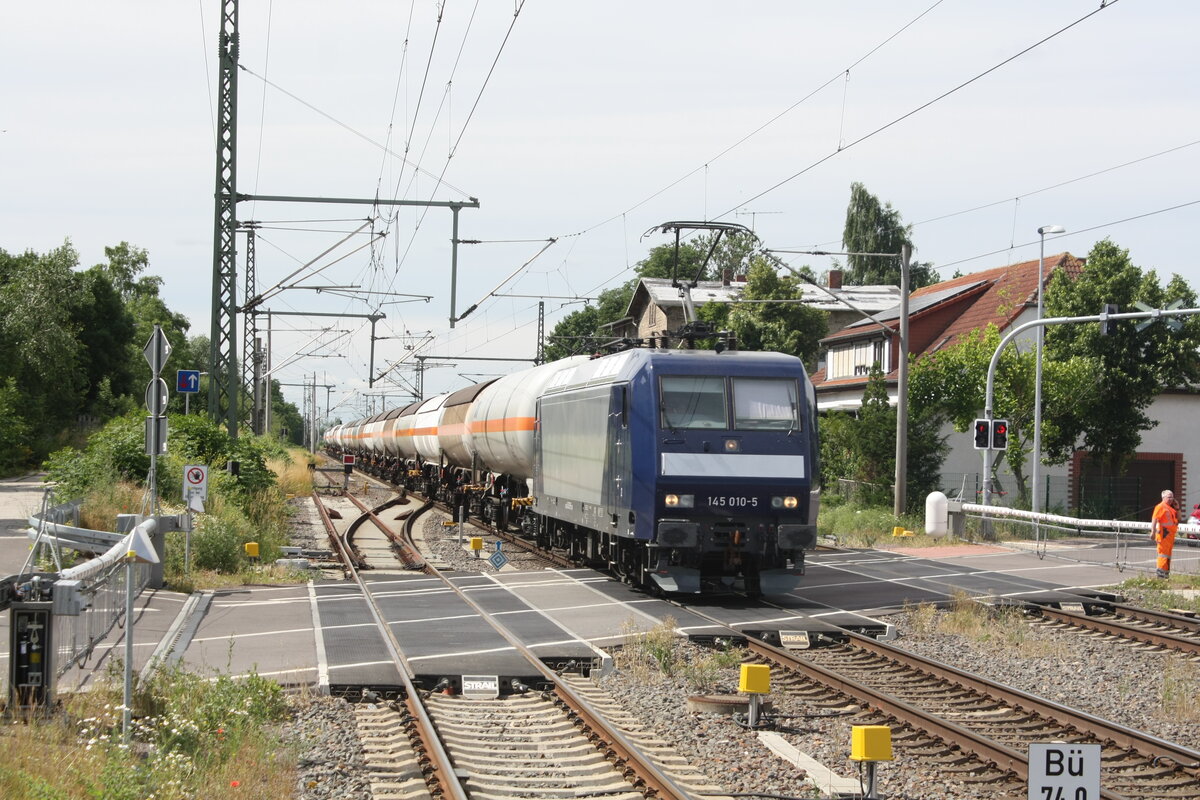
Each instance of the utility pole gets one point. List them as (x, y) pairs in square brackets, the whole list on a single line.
[(250, 342), (224, 382), (900, 501), (541, 340)]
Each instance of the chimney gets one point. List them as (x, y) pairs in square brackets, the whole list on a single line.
[(726, 274), (834, 279)]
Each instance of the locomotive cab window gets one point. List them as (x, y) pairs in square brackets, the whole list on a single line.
[(765, 404), (690, 402)]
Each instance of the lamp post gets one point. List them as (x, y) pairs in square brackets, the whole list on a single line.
[(1037, 379)]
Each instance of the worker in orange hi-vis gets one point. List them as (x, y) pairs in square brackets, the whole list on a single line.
[(1162, 530)]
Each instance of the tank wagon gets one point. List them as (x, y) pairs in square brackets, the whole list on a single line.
[(677, 470)]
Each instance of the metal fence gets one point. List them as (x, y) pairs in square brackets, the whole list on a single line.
[(90, 597)]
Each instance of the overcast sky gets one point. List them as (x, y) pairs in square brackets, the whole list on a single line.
[(598, 121)]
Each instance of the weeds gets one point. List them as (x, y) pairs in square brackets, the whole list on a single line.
[(192, 737), (658, 654), (1005, 627), (1180, 686)]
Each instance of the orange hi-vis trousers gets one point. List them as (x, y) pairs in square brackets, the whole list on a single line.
[(1166, 543)]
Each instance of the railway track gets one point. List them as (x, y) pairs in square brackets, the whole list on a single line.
[(1116, 621), (993, 722), (500, 746), (971, 728)]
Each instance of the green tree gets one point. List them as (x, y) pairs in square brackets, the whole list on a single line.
[(875, 228), (1128, 369), (951, 386), (784, 327), (876, 432), (40, 340)]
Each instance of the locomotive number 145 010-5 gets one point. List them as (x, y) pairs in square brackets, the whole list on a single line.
[(732, 501)]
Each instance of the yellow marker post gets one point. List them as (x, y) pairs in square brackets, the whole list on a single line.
[(477, 544), (870, 744), (754, 680)]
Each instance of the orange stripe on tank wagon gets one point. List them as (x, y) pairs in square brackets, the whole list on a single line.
[(505, 425)]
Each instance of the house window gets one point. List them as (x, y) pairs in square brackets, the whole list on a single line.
[(855, 360), (653, 315)]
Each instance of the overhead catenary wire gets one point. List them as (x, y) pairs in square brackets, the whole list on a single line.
[(920, 108), (765, 125)]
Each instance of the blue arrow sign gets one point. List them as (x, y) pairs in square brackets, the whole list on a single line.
[(187, 381)]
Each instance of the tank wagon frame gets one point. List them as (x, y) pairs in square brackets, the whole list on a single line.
[(677, 470)]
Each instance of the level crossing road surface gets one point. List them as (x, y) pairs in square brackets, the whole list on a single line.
[(321, 634)]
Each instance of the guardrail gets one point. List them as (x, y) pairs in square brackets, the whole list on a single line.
[(1121, 544)]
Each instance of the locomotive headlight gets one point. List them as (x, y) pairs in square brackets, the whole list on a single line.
[(732, 445), (784, 502), (680, 500)]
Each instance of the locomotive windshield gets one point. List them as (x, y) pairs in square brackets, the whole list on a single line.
[(765, 404), (693, 402)]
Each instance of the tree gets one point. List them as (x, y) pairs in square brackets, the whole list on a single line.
[(784, 327), (950, 386), (874, 228), (1128, 369), (40, 339)]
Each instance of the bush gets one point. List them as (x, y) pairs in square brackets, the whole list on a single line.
[(216, 545)]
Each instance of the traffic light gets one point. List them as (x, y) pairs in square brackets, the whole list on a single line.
[(999, 434), (982, 434), (1108, 327)]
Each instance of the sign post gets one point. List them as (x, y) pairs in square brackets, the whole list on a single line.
[(156, 351), (1062, 771), (195, 493)]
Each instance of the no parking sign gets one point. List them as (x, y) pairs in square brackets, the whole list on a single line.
[(195, 482)]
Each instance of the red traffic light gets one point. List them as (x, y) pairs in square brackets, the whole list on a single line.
[(982, 434), (1000, 434)]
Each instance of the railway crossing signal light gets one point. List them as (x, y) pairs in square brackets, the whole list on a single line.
[(999, 434), (991, 434), (983, 434)]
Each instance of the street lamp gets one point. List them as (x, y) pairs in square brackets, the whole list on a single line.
[(1037, 380)]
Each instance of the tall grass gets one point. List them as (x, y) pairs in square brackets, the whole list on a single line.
[(193, 737), (853, 525), (658, 654), (1003, 628)]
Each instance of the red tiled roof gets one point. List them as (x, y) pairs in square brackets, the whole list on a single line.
[(1006, 293), (1012, 289)]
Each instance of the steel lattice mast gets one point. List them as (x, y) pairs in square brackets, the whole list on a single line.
[(224, 381)]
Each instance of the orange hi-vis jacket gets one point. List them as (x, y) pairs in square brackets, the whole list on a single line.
[(1168, 518)]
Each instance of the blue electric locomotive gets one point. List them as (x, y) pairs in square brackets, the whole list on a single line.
[(686, 470)]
